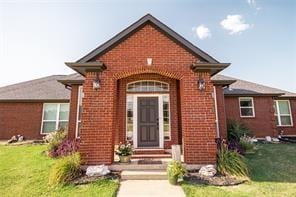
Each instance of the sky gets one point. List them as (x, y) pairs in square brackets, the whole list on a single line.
[(258, 37)]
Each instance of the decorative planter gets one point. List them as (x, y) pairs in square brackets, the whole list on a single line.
[(124, 159), (173, 180)]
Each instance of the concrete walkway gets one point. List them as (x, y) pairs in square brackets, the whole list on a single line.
[(145, 188)]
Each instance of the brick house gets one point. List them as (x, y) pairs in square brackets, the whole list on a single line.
[(150, 86)]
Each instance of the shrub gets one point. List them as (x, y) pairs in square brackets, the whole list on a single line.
[(65, 169), (231, 163), (175, 170), (236, 130), (236, 146), (67, 147), (55, 139), (246, 145)]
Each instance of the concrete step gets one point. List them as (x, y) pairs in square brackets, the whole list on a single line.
[(145, 156), (143, 175)]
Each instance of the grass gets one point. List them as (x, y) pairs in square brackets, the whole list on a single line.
[(272, 173), (24, 171)]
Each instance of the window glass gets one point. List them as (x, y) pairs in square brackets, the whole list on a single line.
[(64, 111), (147, 86), (282, 113), (166, 118), (48, 127), (129, 117), (55, 116), (284, 107), (246, 107), (50, 111), (79, 109)]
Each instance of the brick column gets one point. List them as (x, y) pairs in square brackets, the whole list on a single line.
[(96, 146), (198, 120), (73, 112)]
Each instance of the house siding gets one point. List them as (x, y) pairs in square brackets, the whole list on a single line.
[(20, 118), (263, 124)]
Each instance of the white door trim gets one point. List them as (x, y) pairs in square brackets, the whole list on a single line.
[(160, 116)]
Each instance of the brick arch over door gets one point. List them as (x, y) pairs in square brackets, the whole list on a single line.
[(174, 106)]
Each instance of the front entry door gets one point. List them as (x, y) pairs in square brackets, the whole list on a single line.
[(148, 125)]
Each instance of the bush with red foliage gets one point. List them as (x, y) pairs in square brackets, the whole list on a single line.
[(67, 147)]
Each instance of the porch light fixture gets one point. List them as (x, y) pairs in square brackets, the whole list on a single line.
[(149, 61), (96, 82), (201, 83)]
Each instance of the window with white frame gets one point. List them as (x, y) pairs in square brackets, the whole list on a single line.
[(148, 86), (166, 117), (283, 113), (79, 111), (129, 117), (246, 105), (55, 116)]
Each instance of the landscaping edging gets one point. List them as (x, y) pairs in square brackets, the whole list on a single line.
[(217, 180)]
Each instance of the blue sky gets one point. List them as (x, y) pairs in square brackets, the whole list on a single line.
[(257, 36)]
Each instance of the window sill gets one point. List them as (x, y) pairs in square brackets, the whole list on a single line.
[(248, 116), (284, 126)]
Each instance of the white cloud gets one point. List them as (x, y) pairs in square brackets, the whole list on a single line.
[(253, 3), (202, 32), (235, 24)]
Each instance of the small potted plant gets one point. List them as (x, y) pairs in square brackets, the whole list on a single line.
[(175, 170), (124, 151)]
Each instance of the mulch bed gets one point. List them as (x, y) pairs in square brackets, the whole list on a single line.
[(217, 180), (83, 179)]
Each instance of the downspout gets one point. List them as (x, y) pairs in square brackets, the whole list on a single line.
[(216, 113)]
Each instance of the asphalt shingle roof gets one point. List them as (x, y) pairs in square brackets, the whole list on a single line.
[(46, 88), (242, 87)]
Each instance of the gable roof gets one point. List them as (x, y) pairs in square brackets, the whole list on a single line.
[(145, 19), (242, 87), (43, 89)]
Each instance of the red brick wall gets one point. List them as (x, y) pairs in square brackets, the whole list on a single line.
[(221, 112), (292, 129), (130, 58), (20, 118), (73, 112), (263, 124)]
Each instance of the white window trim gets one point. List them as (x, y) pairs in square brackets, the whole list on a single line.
[(253, 107), (57, 117), (160, 116), (80, 96), (169, 110), (147, 81), (278, 116)]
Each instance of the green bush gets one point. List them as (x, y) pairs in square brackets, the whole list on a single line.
[(231, 163), (56, 139), (175, 170), (65, 169), (247, 146), (236, 130)]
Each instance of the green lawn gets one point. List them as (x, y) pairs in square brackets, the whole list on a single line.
[(24, 172), (273, 173)]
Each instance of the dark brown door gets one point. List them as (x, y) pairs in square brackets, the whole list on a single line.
[(148, 128)]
